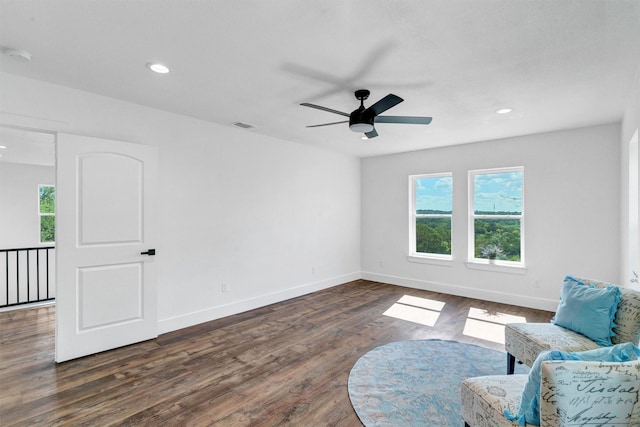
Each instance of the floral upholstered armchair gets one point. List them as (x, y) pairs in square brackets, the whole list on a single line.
[(591, 314), (572, 393)]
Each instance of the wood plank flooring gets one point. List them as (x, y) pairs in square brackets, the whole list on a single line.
[(286, 364)]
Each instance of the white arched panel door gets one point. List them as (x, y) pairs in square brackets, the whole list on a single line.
[(105, 244)]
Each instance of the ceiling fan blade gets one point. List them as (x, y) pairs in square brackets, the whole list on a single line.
[(319, 107), (403, 119), (384, 104), (371, 134), (328, 124)]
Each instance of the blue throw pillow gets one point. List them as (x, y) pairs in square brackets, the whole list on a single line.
[(529, 409), (588, 310)]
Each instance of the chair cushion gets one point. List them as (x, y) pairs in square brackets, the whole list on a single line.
[(526, 341), (588, 310), (529, 408), (483, 399)]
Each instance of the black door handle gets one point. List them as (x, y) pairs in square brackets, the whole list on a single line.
[(150, 252)]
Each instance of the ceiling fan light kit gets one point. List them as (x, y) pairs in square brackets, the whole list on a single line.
[(362, 119), (361, 127)]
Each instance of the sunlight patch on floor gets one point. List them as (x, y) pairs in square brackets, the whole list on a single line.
[(488, 325), (423, 311)]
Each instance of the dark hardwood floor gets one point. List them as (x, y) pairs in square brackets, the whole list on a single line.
[(285, 364)]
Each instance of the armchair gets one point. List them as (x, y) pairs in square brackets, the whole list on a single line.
[(573, 393), (525, 341)]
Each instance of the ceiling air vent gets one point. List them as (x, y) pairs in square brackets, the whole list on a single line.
[(243, 125)]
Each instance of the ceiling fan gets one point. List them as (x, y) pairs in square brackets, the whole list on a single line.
[(362, 119)]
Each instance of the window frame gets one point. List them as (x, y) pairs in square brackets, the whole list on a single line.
[(471, 258), (45, 214), (413, 216)]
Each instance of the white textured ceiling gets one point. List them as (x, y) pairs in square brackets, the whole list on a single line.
[(559, 64)]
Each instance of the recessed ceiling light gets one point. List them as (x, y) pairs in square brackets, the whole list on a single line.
[(2, 147), (157, 67), (504, 111)]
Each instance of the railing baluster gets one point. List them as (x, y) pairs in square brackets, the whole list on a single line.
[(28, 276), (6, 264), (38, 274), (47, 273), (17, 277)]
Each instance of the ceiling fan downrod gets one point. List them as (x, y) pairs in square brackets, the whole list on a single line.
[(359, 120)]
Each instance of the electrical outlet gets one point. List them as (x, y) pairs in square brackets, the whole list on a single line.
[(380, 264), (224, 287), (313, 270), (536, 283)]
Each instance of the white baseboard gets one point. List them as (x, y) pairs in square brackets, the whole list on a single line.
[(217, 312), (482, 294)]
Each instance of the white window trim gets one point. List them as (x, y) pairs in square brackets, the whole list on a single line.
[(485, 264), (422, 257)]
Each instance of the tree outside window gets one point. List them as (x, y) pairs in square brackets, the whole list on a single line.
[(497, 215), (47, 212), (431, 211)]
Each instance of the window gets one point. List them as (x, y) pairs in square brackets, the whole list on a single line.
[(47, 212), (431, 200), (496, 220)]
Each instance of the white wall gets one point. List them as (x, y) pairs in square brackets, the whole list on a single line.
[(572, 204), (269, 218), (274, 219), (19, 219), (630, 125)]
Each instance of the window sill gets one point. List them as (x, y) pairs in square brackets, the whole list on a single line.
[(497, 267), (447, 262)]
